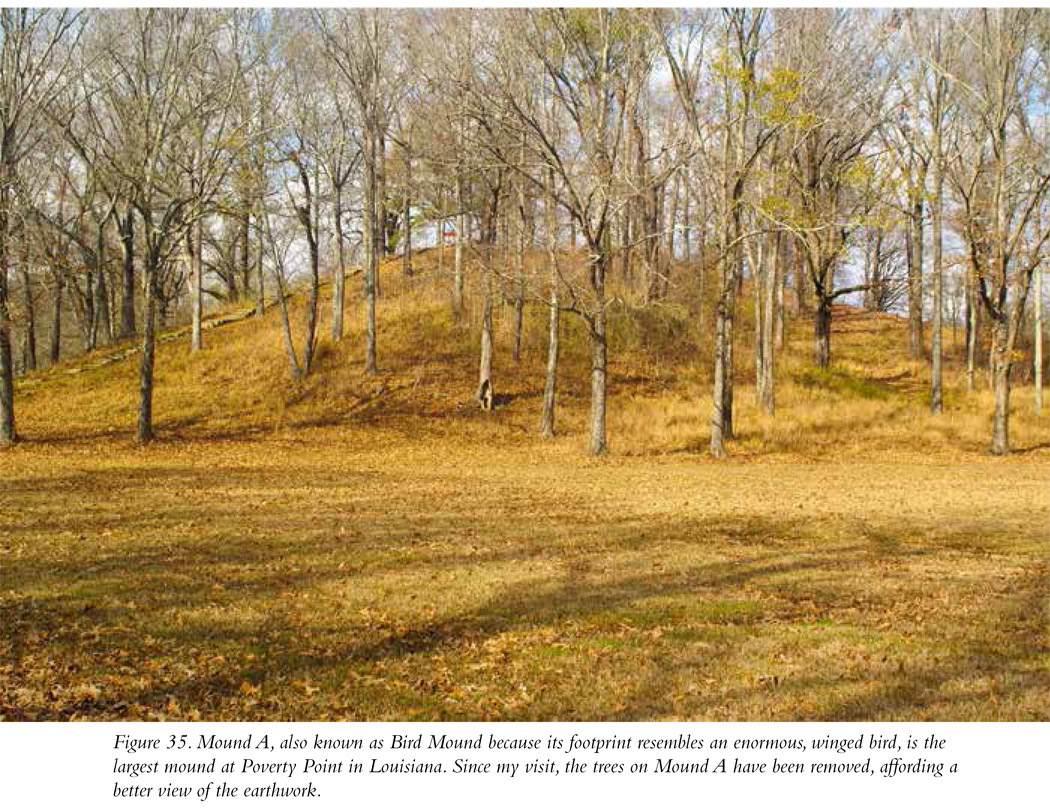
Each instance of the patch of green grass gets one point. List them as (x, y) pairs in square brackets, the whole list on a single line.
[(608, 642), (731, 612), (838, 380), (550, 651)]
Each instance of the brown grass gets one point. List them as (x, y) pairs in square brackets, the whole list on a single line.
[(330, 549)]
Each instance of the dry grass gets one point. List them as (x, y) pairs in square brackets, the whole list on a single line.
[(331, 549)]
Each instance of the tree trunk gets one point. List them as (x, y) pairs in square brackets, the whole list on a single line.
[(968, 314), (954, 314), (260, 305), (101, 329), (145, 424), (503, 240), (193, 263), (372, 226), (722, 389), (701, 278), (550, 384), (441, 246), (519, 308), (232, 292), (729, 366), (801, 278), (88, 324), (286, 328), (973, 314), (936, 374), (878, 280), (687, 225), (625, 245), (104, 324), (7, 372), (383, 247), (732, 291), (599, 354), (485, 395), (718, 423), (457, 250), (772, 285), (55, 338), (245, 240), (822, 332), (309, 216), (915, 249), (1001, 388), (29, 361), (519, 268), (652, 240), (781, 284), (671, 225), (1037, 340), (759, 273), (406, 256), (127, 293), (339, 278), (599, 359), (311, 307)]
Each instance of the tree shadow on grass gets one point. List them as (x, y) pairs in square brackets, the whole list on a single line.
[(125, 597), (972, 672), (520, 609), (187, 597), (1007, 645)]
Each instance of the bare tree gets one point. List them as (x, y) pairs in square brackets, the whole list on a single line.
[(359, 43), (550, 385), (840, 105), (1009, 184), (35, 48), (730, 151), (146, 124), (928, 36), (587, 57)]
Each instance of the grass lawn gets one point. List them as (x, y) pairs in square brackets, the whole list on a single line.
[(340, 550)]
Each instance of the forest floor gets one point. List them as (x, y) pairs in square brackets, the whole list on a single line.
[(376, 548)]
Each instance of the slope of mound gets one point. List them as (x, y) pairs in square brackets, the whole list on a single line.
[(872, 399)]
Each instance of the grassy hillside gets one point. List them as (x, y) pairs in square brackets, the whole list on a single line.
[(377, 548), (873, 399)]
